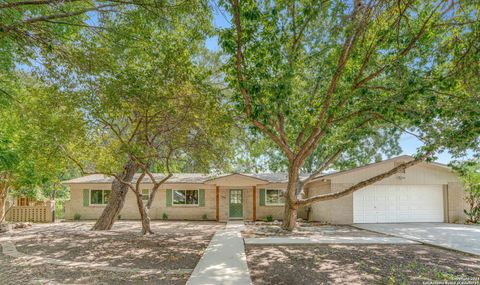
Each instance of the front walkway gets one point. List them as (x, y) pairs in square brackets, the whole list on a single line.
[(465, 238), (224, 262)]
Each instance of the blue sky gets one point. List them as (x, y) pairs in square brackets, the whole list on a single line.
[(408, 143)]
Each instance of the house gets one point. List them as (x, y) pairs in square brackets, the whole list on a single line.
[(426, 192)]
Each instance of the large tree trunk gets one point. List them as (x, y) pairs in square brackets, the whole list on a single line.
[(3, 198), (3, 202), (144, 217), (290, 212), (116, 199)]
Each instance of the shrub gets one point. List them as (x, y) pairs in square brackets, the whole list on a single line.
[(119, 217), (204, 217), (268, 219), (165, 216), (76, 216)]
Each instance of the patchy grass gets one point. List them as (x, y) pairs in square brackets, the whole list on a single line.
[(357, 264)]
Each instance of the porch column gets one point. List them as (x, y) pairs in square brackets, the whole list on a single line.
[(217, 207), (254, 203)]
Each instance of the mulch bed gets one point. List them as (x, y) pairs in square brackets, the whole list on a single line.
[(304, 229), (358, 264)]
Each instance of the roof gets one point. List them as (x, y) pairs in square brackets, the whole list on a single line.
[(182, 178), (200, 178), (398, 158)]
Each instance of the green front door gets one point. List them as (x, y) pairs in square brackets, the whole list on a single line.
[(236, 205)]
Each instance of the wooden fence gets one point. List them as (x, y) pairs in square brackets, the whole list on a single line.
[(35, 213)]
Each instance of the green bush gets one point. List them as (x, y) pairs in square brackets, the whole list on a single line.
[(119, 217), (165, 216), (204, 217), (268, 219), (59, 213), (76, 216)]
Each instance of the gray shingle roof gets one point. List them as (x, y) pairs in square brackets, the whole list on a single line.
[(180, 178)]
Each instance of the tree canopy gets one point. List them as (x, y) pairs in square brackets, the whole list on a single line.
[(325, 80)]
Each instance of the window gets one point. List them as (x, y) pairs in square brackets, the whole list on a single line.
[(274, 197), (145, 195), (99, 197), (185, 197)]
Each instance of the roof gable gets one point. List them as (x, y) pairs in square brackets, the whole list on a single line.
[(236, 179), (398, 159)]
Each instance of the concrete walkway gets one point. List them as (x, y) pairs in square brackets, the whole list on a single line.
[(326, 240), (465, 238), (224, 262)]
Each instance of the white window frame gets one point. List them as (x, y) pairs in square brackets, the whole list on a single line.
[(149, 193), (274, 204), (185, 205), (103, 197)]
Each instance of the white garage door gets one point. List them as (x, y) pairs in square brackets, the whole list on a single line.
[(398, 204)]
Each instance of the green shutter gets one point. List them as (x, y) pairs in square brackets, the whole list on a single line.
[(262, 197), (86, 198), (169, 197), (201, 197)]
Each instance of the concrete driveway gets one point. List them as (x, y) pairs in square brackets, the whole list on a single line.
[(465, 238)]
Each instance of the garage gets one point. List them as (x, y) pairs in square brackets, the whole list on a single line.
[(398, 204)]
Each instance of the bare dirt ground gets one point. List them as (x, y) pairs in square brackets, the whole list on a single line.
[(264, 229), (175, 245), (359, 264)]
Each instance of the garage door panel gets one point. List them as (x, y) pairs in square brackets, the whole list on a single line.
[(398, 203)]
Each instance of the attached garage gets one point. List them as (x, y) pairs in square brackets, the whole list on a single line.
[(398, 204), (426, 192)]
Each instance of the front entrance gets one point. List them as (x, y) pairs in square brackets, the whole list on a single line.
[(236, 203)]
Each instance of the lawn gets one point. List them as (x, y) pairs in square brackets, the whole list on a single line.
[(176, 246), (358, 264)]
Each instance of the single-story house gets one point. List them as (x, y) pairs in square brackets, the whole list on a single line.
[(426, 192)]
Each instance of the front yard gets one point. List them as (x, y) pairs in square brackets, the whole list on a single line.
[(70, 253), (171, 253), (351, 263)]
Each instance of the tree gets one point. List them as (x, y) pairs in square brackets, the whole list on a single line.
[(30, 160), (469, 172), (320, 78), (145, 87)]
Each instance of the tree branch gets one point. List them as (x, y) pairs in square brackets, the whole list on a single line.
[(364, 183)]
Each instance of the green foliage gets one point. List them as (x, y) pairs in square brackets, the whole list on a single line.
[(146, 92), (31, 163), (269, 218), (204, 217), (353, 78), (59, 209), (164, 216), (76, 217), (469, 172)]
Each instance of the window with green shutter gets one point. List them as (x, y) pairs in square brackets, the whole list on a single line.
[(262, 197)]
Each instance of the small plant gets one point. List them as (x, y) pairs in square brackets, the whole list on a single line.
[(165, 216), (119, 217), (204, 217), (76, 216), (269, 219)]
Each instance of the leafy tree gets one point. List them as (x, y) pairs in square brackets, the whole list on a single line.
[(145, 87), (469, 172), (30, 161), (321, 79)]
